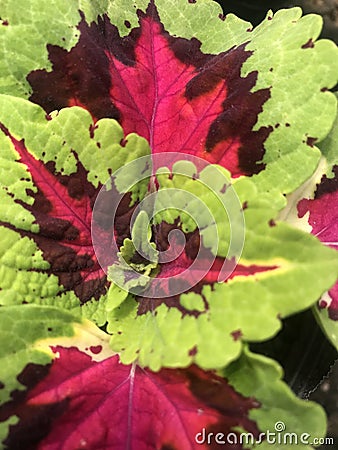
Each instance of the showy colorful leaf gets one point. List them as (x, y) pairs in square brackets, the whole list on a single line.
[(222, 91), (63, 387), (47, 197)]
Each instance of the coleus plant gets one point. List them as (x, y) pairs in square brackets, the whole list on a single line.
[(138, 148)]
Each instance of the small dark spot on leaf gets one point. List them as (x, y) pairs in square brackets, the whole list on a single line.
[(287, 125), (269, 18), (272, 223), (221, 16), (98, 144), (244, 205), (48, 117), (5, 23), (193, 351), (324, 89), (249, 30), (92, 129), (192, 1), (119, 332), (43, 154), (237, 334), (123, 142), (127, 23), (271, 69), (310, 141), (96, 349), (309, 44), (49, 329), (277, 125)]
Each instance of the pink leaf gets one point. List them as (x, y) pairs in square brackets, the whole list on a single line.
[(163, 88), (62, 208), (80, 403), (323, 219)]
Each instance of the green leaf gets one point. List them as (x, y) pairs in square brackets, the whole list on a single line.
[(20, 55), (24, 330), (329, 147), (281, 271), (280, 408)]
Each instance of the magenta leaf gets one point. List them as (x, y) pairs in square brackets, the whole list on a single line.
[(207, 109), (76, 402), (48, 198), (323, 219), (62, 209)]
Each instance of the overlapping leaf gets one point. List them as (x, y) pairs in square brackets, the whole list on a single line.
[(61, 385)]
